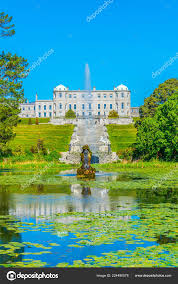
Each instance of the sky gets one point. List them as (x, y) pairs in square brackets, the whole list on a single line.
[(126, 42)]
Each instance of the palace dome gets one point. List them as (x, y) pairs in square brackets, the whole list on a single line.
[(61, 88), (122, 88)]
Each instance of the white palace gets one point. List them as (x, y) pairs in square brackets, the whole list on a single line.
[(98, 103)]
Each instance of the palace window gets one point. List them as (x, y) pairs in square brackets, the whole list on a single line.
[(89, 113), (39, 114), (104, 106), (83, 113), (34, 107), (104, 96), (23, 108), (99, 113), (98, 106), (60, 95), (70, 107), (111, 96), (70, 96), (75, 96), (60, 106), (39, 107), (44, 114), (50, 107), (83, 106), (44, 107), (99, 96), (89, 106), (122, 106), (122, 95), (75, 106), (50, 114), (110, 106), (29, 108)]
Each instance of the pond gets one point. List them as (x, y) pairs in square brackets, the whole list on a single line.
[(62, 221)]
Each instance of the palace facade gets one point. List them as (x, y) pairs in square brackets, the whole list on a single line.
[(97, 103)]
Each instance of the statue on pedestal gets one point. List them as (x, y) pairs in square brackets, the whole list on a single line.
[(86, 170)]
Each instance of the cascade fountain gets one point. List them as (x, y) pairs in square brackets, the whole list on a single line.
[(89, 131)]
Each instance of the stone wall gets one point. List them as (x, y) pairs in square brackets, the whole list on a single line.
[(100, 121), (74, 158)]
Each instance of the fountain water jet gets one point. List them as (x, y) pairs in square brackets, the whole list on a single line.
[(89, 127)]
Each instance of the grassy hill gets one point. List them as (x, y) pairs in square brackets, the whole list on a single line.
[(121, 136), (56, 137)]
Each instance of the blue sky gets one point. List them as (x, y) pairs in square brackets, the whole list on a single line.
[(124, 43)]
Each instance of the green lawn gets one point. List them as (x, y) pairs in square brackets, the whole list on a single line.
[(56, 137), (121, 136)]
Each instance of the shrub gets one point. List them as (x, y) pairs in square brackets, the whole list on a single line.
[(34, 149), (70, 114), (30, 121), (39, 148), (126, 154), (36, 121), (52, 156), (5, 151), (113, 114), (18, 151)]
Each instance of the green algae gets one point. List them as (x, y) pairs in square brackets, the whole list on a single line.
[(154, 223)]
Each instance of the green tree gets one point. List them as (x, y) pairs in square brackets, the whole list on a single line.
[(159, 96), (13, 69), (70, 114), (113, 114), (156, 136), (6, 28)]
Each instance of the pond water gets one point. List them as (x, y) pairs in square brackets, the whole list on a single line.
[(65, 222)]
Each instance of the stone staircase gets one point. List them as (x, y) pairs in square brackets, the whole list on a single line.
[(96, 137)]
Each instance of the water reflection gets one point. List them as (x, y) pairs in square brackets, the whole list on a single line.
[(80, 199), (86, 191), (6, 236)]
